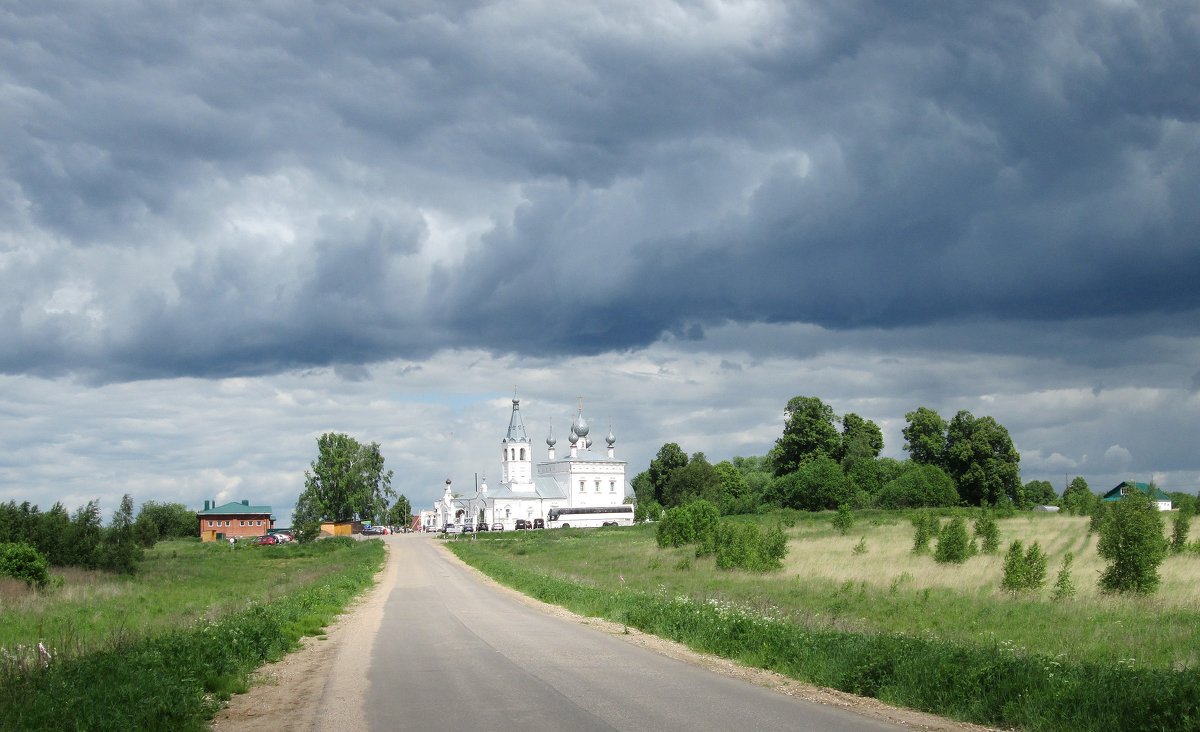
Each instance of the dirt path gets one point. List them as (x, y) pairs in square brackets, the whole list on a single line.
[(322, 686), (303, 691)]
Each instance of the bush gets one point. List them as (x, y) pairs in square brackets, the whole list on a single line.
[(745, 546), (953, 544), (1131, 540), (1024, 570), (919, 486), (1179, 531), (1064, 588), (647, 510), (689, 524), (1096, 517), (843, 520), (818, 484), (987, 532), (306, 530), (926, 527), (23, 562)]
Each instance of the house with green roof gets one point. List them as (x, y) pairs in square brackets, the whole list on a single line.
[(233, 520), (1160, 499)]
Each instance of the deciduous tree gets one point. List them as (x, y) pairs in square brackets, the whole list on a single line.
[(347, 481), (401, 512), (982, 460), (861, 439), (1040, 493), (696, 479), (816, 485), (925, 436), (808, 433), (170, 520), (670, 458), (1131, 539), (1078, 499)]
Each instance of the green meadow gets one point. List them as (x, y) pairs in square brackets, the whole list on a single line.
[(163, 648), (862, 613)]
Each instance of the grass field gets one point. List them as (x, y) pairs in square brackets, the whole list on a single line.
[(825, 584), (160, 650), (178, 583)]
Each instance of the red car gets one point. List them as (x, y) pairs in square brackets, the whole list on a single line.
[(268, 539)]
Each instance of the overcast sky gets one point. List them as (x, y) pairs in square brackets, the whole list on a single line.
[(226, 228)]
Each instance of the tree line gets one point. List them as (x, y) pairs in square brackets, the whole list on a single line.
[(822, 461), (81, 539)]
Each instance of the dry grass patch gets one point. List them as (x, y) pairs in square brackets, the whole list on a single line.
[(818, 553)]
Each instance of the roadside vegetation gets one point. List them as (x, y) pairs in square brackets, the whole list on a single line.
[(862, 612), (162, 648)]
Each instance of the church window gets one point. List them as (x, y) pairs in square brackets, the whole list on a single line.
[(612, 486), (597, 486), (522, 453), (581, 488)]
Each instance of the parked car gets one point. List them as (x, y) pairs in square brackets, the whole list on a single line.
[(449, 529), (282, 536), (263, 540), (481, 527), (468, 528), (497, 526), (521, 524), (539, 523), (373, 531)]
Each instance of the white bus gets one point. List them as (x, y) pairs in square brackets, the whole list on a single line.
[(590, 516)]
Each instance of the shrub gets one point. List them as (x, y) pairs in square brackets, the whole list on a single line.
[(689, 524), (919, 486), (1179, 530), (1064, 588), (816, 485), (1035, 566), (306, 530), (843, 520), (988, 532), (926, 526), (647, 510), (1096, 517), (860, 547), (23, 562), (1131, 540), (953, 545), (746, 546), (1024, 570)]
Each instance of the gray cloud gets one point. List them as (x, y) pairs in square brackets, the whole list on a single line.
[(846, 165), (984, 207)]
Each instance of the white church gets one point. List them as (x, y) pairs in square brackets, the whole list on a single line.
[(527, 490)]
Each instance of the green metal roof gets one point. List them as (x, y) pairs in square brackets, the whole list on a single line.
[(1154, 493), (233, 508)]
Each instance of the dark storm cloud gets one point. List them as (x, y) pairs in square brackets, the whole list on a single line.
[(249, 189), (990, 165)]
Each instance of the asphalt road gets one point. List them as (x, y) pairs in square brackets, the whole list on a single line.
[(454, 653)]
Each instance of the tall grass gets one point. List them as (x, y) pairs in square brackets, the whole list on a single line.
[(175, 674), (178, 583)]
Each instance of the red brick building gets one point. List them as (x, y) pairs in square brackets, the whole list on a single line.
[(233, 519)]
